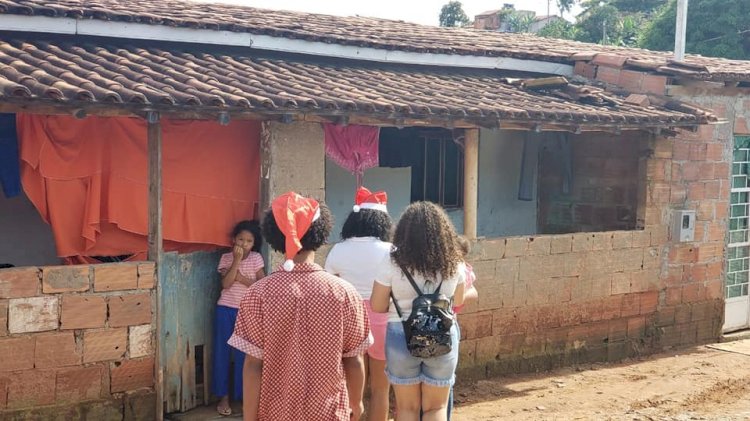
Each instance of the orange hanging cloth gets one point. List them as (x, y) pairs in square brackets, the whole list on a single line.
[(89, 180)]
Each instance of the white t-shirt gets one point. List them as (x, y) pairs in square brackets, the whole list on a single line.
[(357, 260), (392, 276)]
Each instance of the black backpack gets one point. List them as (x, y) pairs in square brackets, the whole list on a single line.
[(428, 327)]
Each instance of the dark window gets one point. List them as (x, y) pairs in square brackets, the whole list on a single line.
[(436, 161)]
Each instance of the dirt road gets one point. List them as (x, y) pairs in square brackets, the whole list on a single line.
[(700, 383)]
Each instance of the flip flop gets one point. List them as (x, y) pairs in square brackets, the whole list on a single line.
[(224, 412)]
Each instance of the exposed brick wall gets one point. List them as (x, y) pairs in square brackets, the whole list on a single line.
[(77, 340), (604, 189)]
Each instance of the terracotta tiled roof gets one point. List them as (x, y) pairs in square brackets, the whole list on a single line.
[(75, 73), (359, 31)]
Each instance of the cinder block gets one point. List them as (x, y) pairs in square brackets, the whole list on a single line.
[(35, 314), (83, 311), (115, 277), (129, 310), (146, 275), (56, 279), (78, 384), (476, 325), (104, 345), (139, 343), (620, 283), (56, 350), (132, 374), (515, 246), (18, 283), (561, 244), (31, 388), (622, 239), (538, 246), (17, 353)]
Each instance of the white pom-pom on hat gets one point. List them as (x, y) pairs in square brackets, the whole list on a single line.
[(288, 265), (355, 208)]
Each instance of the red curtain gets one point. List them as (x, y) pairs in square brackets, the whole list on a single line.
[(89, 180)]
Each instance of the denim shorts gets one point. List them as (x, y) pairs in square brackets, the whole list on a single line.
[(404, 369)]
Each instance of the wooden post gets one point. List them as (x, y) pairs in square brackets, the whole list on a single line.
[(155, 248), (471, 181)]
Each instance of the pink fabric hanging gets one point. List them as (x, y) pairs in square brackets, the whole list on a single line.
[(352, 147)]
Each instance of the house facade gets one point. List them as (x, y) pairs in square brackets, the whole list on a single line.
[(568, 179)]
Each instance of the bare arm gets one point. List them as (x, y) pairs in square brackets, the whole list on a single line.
[(230, 276), (471, 295), (251, 377), (458, 295), (354, 369), (381, 298)]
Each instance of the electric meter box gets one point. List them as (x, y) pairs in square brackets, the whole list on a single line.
[(683, 226)]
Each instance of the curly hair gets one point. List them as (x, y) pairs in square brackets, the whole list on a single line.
[(426, 242), (464, 245), (368, 223), (253, 227), (315, 237)]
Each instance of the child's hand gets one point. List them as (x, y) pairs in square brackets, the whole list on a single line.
[(244, 280), (237, 253)]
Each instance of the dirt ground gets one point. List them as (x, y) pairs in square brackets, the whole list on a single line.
[(700, 383)]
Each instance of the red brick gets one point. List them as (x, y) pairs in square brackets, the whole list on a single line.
[(631, 81), (711, 251), (636, 327), (649, 302), (83, 312), (712, 189), (4, 383), (631, 305), (715, 289), (103, 345), (706, 171), (56, 279), (705, 212), (696, 191), (697, 152), (132, 375), (681, 151), (476, 325), (31, 388), (618, 330), (716, 232), (17, 283), (78, 384), (56, 350), (115, 277), (683, 253), (741, 126), (608, 75), (146, 275), (3, 317), (129, 310), (654, 84), (693, 293), (714, 152), (690, 171), (17, 353), (585, 69), (677, 194), (682, 314)]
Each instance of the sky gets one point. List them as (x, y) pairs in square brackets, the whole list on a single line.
[(419, 11)]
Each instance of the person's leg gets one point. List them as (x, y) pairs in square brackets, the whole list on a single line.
[(434, 402), (379, 388), (403, 372), (408, 400), (239, 360), (221, 358)]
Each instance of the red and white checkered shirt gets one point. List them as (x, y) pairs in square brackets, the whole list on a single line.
[(301, 324)]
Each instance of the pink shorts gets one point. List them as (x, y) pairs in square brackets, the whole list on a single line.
[(378, 324)]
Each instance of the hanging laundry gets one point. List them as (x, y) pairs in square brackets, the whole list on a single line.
[(10, 175), (354, 148)]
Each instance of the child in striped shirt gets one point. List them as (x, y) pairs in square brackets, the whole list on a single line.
[(239, 269)]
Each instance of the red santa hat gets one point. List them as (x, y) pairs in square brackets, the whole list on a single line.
[(294, 215), (365, 199)]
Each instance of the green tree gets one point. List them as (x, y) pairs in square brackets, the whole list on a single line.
[(564, 6), (600, 24), (520, 22), (638, 6), (716, 28), (561, 29), (452, 14)]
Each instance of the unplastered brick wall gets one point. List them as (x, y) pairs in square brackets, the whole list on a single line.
[(562, 299), (77, 339), (603, 191)]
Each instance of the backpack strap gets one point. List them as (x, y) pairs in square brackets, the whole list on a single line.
[(395, 304), (411, 280)]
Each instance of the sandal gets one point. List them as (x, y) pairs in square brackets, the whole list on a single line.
[(224, 411)]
